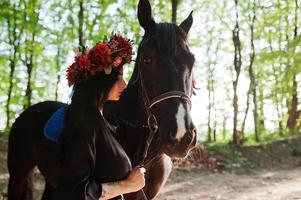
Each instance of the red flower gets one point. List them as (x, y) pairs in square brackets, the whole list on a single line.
[(123, 45), (104, 55), (117, 62), (83, 62), (71, 75), (106, 61), (102, 48), (100, 55)]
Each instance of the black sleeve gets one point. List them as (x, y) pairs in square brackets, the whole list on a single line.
[(77, 168)]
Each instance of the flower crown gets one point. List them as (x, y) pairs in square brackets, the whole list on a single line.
[(104, 56)]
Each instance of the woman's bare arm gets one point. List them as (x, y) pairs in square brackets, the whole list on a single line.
[(134, 182)]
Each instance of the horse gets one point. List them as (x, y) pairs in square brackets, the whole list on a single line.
[(152, 115), (164, 66)]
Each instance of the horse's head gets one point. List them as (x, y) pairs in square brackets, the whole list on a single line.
[(164, 64)]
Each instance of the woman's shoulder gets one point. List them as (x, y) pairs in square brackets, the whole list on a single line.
[(86, 118)]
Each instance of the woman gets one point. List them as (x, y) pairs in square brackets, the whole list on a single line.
[(94, 165)]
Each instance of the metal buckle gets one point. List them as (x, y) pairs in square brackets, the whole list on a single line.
[(152, 123)]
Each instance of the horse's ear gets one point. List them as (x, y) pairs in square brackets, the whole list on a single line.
[(186, 24), (145, 15)]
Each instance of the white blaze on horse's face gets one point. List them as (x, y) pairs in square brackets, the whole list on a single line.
[(180, 117)]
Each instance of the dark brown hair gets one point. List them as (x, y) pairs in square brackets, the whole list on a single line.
[(82, 115)]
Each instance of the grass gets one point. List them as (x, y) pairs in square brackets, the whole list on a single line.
[(265, 137), (268, 154)]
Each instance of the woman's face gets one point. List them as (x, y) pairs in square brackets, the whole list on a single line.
[(117, 88)]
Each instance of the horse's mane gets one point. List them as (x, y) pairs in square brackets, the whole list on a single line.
[(166, 40)]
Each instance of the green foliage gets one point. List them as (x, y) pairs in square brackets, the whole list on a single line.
[(55, 27), (272, 154)]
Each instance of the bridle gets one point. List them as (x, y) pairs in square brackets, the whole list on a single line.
[(151, 118)]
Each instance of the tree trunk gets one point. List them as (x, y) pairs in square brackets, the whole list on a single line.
[(224, 128), (215, 117), (237, 66), (247, 110), (277, 101), (293, 112), (209, 116), (236, 136), (14, 42), (210, 88), (261, 118), (212, 72), (30, 49), (28, 92), (29, 66), (58, 77), (214, 133), (255, 116), (252, 84), (174, 6), (81, 40), (9, 92)]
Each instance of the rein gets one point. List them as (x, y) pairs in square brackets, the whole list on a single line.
[(151, 118)]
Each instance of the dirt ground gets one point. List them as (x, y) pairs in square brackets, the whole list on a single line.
[(204, 184), (259, 185)]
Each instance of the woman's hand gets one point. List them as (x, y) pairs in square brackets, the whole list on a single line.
[(134, 182)]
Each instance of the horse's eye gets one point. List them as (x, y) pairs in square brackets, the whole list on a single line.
[(146, 60)]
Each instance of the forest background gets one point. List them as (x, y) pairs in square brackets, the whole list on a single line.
[(248, 55)]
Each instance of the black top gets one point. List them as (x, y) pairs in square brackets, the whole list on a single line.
[(91, 156)]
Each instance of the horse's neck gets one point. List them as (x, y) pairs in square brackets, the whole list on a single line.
[(131, 106), (136, 132), (131, 114)]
